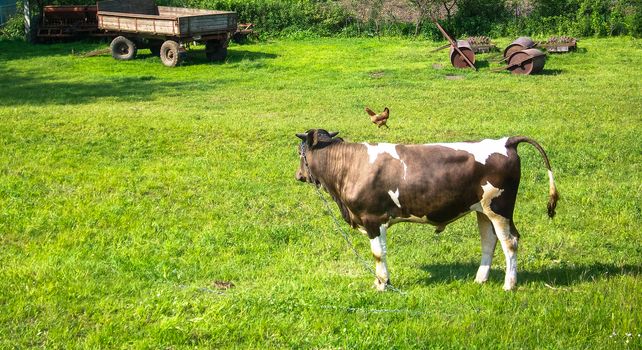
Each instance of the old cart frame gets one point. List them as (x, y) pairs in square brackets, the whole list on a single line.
[(166, 31)]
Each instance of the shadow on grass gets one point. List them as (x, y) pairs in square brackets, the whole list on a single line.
[(28, 89), (551, 72), (233, 56), (557, 276), (17, 50), (197, 57), (482, 64), (244, 55)]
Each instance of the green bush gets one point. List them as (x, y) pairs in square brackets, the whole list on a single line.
[(582, 18), (272, 17), (479, 17), (311, 18), (14, 29)]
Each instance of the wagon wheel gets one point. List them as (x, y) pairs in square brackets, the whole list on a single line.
[(215, 50), (170, 53), (123, 49)]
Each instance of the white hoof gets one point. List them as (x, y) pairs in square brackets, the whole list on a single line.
[(481, 280), (380, 286), (509, 284), (482, 274)]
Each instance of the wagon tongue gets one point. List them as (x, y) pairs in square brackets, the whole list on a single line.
[(457, 53)]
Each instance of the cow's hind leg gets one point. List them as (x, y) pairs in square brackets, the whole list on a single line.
[(379, 249), (508, 242), (498, 204), (488, 243)]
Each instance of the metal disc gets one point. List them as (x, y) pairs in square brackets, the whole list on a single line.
[(457, 60), (521, 43), (529, 61)]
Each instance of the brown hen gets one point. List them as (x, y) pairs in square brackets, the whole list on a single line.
[(379, 119)]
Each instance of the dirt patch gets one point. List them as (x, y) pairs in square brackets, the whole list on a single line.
[(222, 285), (377, 74)]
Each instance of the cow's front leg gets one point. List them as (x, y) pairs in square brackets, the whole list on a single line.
[(379, 249)]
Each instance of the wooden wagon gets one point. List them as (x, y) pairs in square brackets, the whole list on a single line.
[(166, 31)]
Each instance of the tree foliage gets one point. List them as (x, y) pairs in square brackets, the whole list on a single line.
[(413, 17)]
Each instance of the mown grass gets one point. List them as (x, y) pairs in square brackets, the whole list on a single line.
[(128, 189)]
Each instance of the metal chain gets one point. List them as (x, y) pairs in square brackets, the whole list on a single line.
[(365, 310), (339, 228)]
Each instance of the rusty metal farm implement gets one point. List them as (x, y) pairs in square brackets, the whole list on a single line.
[(522, 56)]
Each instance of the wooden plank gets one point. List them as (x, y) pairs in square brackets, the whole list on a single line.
[(190, 26), (138, 25), (133, 15), (182, 11), (174, 21), (193, 25)]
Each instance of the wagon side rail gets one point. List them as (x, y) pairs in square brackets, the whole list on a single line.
[(207, 24), (138, 23), (175, 22)]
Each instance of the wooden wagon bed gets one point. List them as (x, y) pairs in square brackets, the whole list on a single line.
[(166, 30), (163, 20)]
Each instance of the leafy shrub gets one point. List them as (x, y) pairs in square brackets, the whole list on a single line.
[(583, 18), (14, 28), (310, 18), (479, 17), (272, 17)]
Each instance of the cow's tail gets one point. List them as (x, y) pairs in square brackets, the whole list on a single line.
[(553, 195)]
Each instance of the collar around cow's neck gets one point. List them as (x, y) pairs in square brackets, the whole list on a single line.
[(303, 147)]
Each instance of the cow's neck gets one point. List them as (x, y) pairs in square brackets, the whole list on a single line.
[(329, 164)]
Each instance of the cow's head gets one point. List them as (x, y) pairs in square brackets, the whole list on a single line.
[(312, 140)]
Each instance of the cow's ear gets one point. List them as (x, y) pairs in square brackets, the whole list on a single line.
[(312, 138), (370, 112), (309, 137), (333, 134)]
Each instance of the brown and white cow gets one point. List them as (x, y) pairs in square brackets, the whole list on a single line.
[(378, 185)]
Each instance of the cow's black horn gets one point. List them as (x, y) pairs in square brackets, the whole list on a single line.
[(302, 136), (333, 134)]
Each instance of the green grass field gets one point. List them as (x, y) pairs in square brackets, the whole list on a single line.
[(128, 190)]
